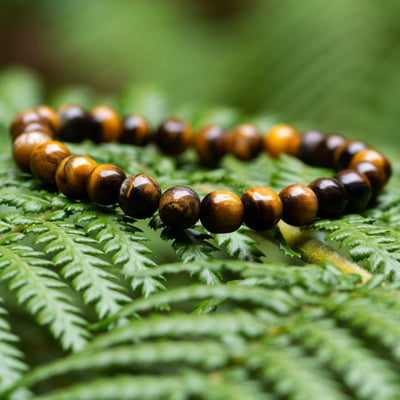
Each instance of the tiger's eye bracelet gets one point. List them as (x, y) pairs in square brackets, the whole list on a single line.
[(362, 171)]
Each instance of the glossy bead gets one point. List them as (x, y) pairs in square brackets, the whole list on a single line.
[(50, 116), (34, 127), (139, 196), (327, 148), (245, 142), (331, 195), (136, 131), (262, 208), (221, 212), (72, 175), (345, 153), (210, 144), (107, 123), (375, 175), (310, 141), (104, 184), (173, 136), (76, 124), (179, 207), (373, 157), (45, 159), (300, 205), (357, 187), (22, 119), (24, 145), (282, 139)]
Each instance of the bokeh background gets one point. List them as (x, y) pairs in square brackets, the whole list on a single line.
[(328, 65)]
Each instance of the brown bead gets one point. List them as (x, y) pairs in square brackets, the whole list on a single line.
[(45, 160), (173, 136), (262, 208), (76, 125), (282, 139), (50, 116), (107, 123), (104, 183), (24, 145), (33, 127), (139, 196), (345, 153), (327, 148), (245, 142), (179, 207), (375, 175), (373, 157), (210, 144), (22, 119), (221, 212), (136, 131), (72, 175), (310, 141), (300, 205)]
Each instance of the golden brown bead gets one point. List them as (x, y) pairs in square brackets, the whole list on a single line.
[(173, 136), (72, 175), (221, 212), (300, 205), (22, 119), (107, 122), (345, 153), (24, 145), (262, 208), (210, 144), (282, 139), (76, 125), (45, 159), (374, 157), (245, 142), (136, 131), (50, 116), (33, 127)]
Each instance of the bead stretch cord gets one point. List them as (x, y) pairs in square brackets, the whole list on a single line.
[(362, 170)]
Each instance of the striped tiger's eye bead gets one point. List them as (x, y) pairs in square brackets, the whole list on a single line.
[(24, 145), (308, 151), (332, 197), (282, 139), (373, 157), (210, 144), (173, 136), (104, 183), (357, 187), (34, 127), (22, 119), (345, 153), (327, 148), (375, 175), (136, 131), (50, 116), (179, 207), (139, 196), (72, 175), (107, 124), (245, 142), (262, 208), (45, 159), (221, 212), (300, 205), (76, 124)]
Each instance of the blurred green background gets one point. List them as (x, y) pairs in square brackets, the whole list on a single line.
[(328, 65)]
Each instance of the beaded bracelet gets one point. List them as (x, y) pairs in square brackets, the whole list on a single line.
[(362, 170)]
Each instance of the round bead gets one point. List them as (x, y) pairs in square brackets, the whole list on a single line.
[(72, 175), (375, 175), (210, 144), (282, 139), (332, 197), (245, 142), (179, 207), (300, 205), (221, 212), (310, 141), (327, 148), (22, 119), (34, 127), (373, 157), (107, 124), (24, 145), (104, 183), (139, 196), (173, 136), (136, 131), (345, 153), (262, 208), (76, 124), (357, 187), (45, 160), (50, 116)]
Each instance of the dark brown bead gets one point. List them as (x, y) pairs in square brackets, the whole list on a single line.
[(33, 127), (107, 123), (332, 197), (104, 183), (139, 196), (282, 139), (357, 187), (221, 212), (24, 145), (136, 131), (327, 148), (173, 136), (76, 124), (310, 141), (22, 119), (72, 175), (345, 153), (45, 159), (262, 208), (179, 207), (300, 205), (375, 175), (50, 116), (373, 157), (245, 142), (210, 144)]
